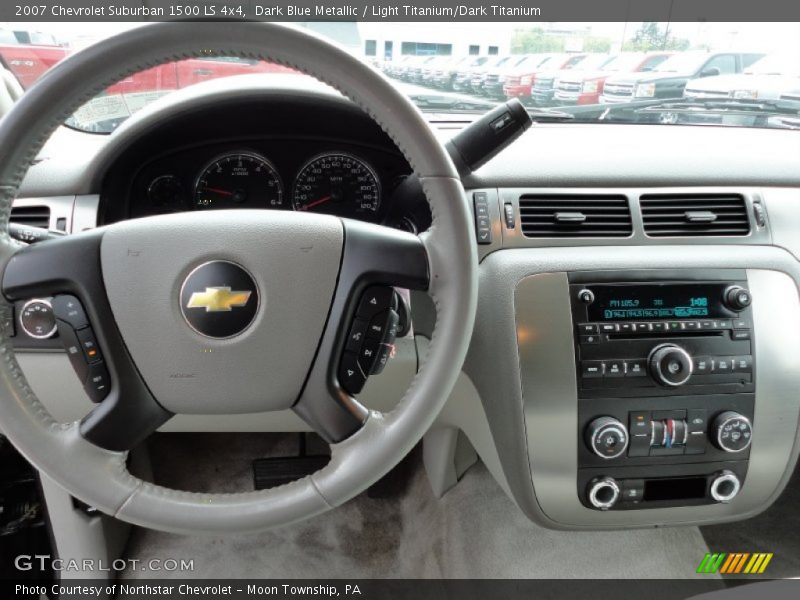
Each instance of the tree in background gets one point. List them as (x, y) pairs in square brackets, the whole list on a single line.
[(650, 36), (596, 44), (532, 41)]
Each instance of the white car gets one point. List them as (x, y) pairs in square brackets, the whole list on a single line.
[(766, 79)]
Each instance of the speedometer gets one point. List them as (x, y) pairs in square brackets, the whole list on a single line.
[(238, 180), (339, 184)]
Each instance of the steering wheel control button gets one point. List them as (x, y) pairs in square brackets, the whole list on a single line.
[(97, 384), (219, 299), (670, 365), (37, 319), (72, 346), (368, 355), (380, 324), (733, 432), (351, 376), (69, 309), (89, 345), (358, 332), (607, 437), (375, 300)]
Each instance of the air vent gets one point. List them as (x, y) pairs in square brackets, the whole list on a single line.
[(694, 215), (35, 216), (575, 215)]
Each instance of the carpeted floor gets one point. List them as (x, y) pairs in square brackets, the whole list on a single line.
[(397, 530)]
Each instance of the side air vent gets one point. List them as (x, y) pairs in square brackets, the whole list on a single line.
[(34, 216), (575, 215), (694, 215)]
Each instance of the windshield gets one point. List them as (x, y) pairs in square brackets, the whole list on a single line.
[(471, 67)]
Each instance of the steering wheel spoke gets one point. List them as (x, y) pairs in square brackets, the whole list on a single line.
[(68, 271), (362, 325)]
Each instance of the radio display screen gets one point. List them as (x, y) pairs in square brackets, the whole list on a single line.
[(622, 302)]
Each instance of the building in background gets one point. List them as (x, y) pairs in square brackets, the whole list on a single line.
[(383, 43)]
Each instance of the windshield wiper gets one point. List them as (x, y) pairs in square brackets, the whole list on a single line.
[(721, 105), (549, 116), (448, 103)]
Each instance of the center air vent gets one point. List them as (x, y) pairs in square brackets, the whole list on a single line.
[(575, 215), (694, 215), (34, 216)]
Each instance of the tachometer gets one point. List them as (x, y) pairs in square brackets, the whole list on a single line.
[(339, 184), (239, 180)]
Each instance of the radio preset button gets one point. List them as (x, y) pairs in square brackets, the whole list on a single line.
[(626, 327), (724, 324), (609, 327), (642, 327), (636, 368), (692, 325), (615, 368), (592, 369)]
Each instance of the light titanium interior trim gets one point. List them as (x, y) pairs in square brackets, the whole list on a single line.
[(61, 207)]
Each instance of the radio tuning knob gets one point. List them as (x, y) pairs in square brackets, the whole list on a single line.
[(670, 365), (731, 431), (737, 298)]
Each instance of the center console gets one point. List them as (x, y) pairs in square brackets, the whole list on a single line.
[(665, 374)]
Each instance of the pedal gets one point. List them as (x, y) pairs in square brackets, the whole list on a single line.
[(272, 472)]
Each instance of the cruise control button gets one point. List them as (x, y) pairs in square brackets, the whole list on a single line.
[(97, 383), (591, 369), (358, 331), (68, 308), (374, 300), (351, 377), (72, 346), (89, 345), (615, 368)]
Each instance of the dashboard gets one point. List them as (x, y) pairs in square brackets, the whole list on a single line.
[(578, 339)]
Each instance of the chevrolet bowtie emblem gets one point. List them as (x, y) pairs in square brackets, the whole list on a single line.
[(218, 299)]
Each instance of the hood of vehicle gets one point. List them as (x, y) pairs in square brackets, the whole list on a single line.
[(578, 75), (743, 81), (634, 78)]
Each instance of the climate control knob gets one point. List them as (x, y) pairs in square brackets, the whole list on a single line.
[(607, 437), (670, 365), (731, 431), (737, 298)]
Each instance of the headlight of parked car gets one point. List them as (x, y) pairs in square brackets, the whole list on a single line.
[(745, 94), (645, 90), (589, 87)]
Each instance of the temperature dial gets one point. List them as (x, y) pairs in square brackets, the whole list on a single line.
[(37, 319), (607, 437), (732, 432)]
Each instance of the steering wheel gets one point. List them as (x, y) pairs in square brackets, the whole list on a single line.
[(307, 276)]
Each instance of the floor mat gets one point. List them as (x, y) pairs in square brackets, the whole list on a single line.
[(474, 531), (776, 530)]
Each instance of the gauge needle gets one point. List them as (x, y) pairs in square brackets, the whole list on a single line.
[(219, 191), (316, 202)]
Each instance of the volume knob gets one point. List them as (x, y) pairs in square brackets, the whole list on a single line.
[(670, 365)]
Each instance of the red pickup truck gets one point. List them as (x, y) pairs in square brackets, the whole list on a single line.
[(28, 55)]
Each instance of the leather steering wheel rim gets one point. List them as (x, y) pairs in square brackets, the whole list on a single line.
[(99, 476)]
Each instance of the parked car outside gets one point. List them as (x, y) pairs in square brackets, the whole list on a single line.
[(28, 55), (445, 76), (765, 79), (494, 79), (464, 78), (544, 87), (669, 79), (581, 85), (521, 85)]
